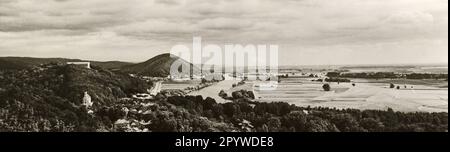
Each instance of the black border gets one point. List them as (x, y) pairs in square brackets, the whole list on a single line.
[(283, 141)]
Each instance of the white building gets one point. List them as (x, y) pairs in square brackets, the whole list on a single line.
[(88, 64), (87, 101)]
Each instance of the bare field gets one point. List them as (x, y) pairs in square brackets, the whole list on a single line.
[(365, 95)]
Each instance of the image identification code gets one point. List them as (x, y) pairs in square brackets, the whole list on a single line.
[(246, 141), (226, 142)]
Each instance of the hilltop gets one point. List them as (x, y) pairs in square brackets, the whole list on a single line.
[(158, 66)]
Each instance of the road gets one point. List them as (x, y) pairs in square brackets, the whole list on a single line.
[(156, 88)]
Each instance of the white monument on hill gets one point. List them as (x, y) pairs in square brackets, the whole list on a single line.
[(87, 101), (88, 64)]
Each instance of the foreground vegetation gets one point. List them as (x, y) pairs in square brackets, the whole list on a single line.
[(49, 98), (276, 117)]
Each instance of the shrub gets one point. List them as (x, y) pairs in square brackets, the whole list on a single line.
[(223, 94), (326, 87), (392, 86)]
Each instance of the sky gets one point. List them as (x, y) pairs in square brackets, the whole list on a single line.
[(308, 32)]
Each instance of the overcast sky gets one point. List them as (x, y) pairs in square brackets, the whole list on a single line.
[(307, 31)]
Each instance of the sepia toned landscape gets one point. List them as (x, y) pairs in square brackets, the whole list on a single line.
[(166, 66), (52, 95)]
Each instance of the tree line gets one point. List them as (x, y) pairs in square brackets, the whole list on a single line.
[(389, 75)]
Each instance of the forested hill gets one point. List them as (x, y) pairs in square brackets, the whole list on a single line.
[(159, 66), (20, 63), (49, 97)]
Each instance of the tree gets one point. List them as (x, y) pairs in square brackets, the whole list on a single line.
[(274, 124), (333, 74), (251, 95), (326, 87), (223, 94), (209, 103), (372, 124), (204, 81), (230, 109), (237, 95), (295, 119), (346, 123), (392, 86), (316, 124)]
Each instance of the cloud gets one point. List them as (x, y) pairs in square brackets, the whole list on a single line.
[(298, 24), (170, 2), (410, 18), (225, 24)]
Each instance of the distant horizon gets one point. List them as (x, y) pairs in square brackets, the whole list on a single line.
[(135, 62)]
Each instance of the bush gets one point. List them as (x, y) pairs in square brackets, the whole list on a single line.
[(392, 86), (326, 87), (243, 94), (223, 94), (274, 124), (237, 95), (337, 80), (372, 125)]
